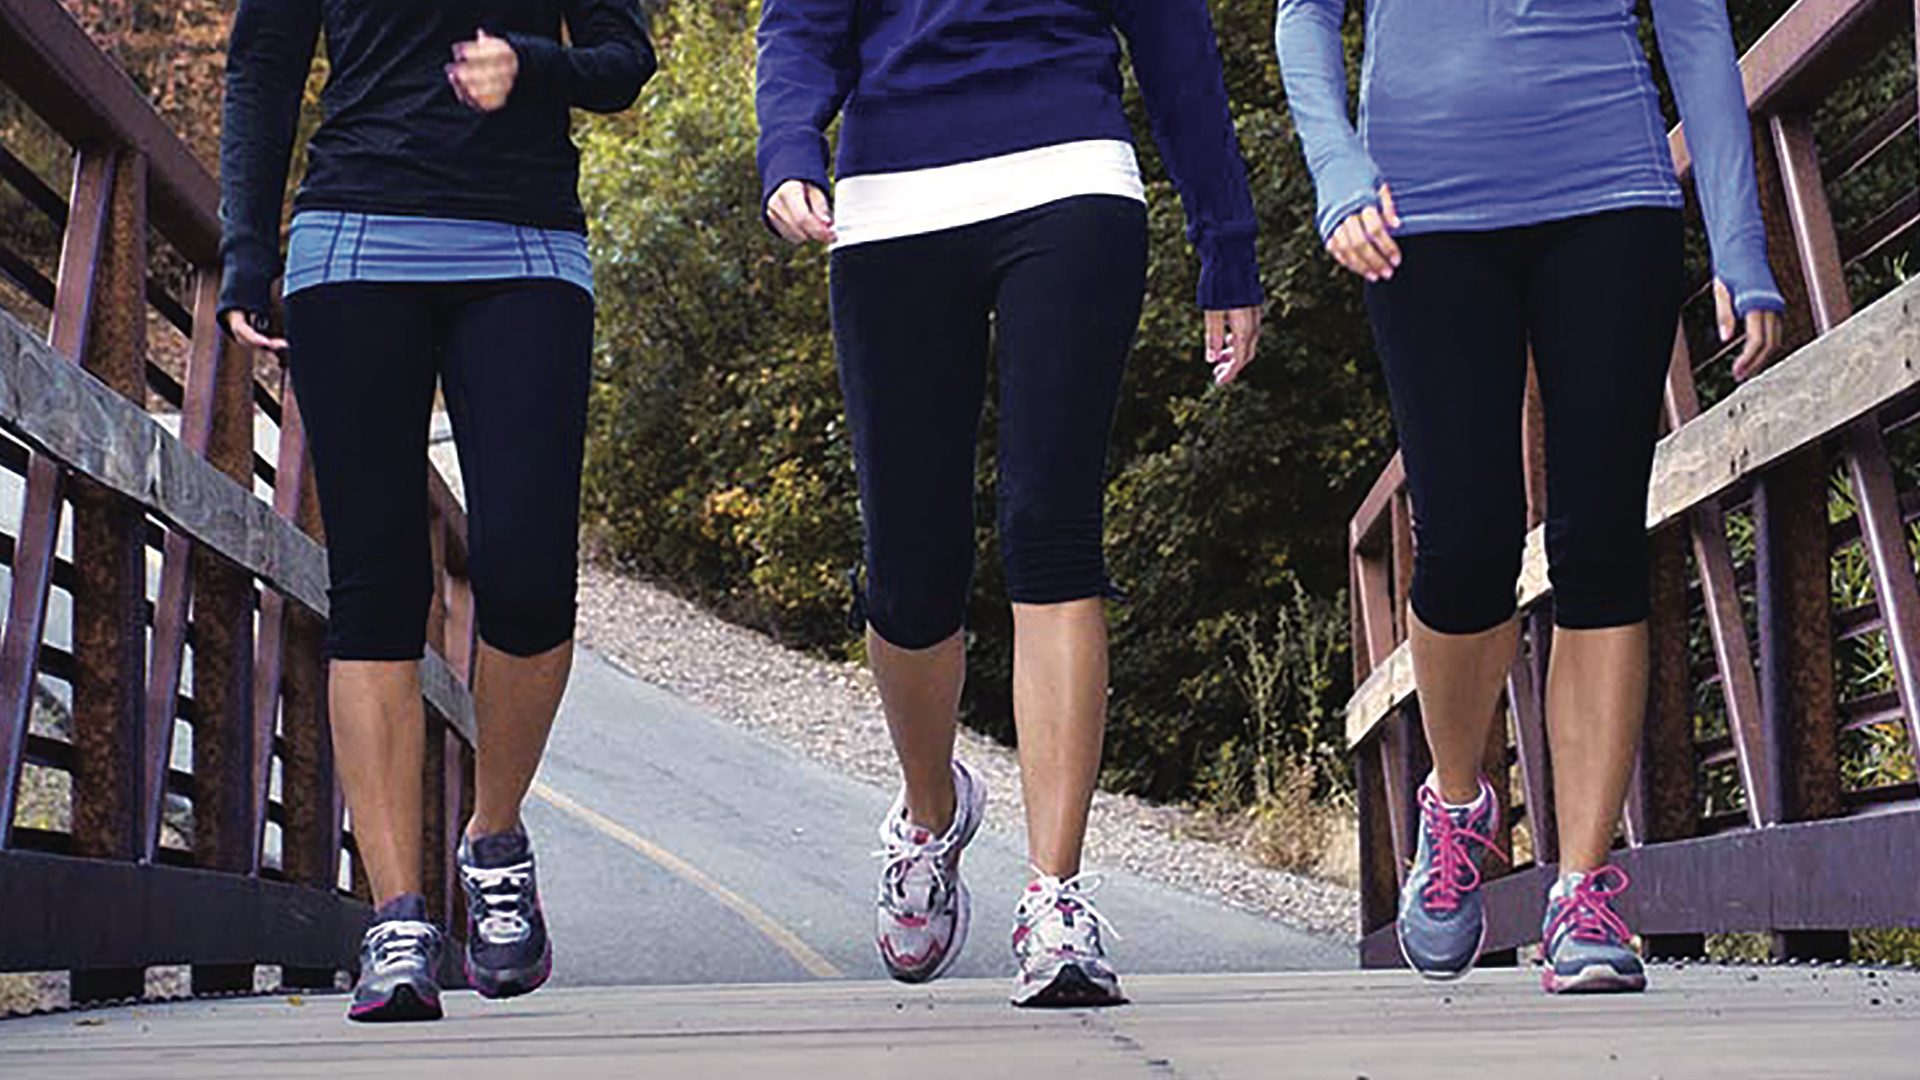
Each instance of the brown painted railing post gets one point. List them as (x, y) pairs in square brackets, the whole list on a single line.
[(1663, 803), (232, 756), (170, 609), (109, 554), (1882, 525), (1379, 878), (1792, 561), (34, 548), (291, 682), (1526, 707)]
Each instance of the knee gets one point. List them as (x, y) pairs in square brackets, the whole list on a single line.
[(378, 610), (1050, 555), (1465, 577), (919, 604), (526, 615), (1600, 578)]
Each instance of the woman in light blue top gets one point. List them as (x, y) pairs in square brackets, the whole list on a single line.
[(1509, 188)]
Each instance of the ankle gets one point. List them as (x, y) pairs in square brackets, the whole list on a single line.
[(481, 826), (1457, 795), (933, 811)]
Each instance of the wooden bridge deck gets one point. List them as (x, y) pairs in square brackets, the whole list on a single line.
[(1698, 1022)]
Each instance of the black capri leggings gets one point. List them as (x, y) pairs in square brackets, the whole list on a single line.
[(1598, 298), (513, 358), (1054, 295)]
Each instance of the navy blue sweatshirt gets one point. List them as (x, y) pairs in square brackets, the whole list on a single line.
[(925, 83), (395, 139)]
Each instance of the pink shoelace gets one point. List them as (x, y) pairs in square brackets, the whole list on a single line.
[(1589, 908), (1454, 872)]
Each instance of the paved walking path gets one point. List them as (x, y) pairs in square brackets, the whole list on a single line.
[(1700, 1023), (676, 848)]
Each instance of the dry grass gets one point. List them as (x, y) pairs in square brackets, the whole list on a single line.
[(1292, 830)]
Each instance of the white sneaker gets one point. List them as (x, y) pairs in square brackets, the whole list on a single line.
[(1056, 940), (924, 908)]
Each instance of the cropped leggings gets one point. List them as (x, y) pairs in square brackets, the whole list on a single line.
[(1597, 298), (1052, 295), (513, 358)]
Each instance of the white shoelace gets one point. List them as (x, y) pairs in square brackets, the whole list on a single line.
[(1039, 911), (903, 858), (502, 890), (399, 941)]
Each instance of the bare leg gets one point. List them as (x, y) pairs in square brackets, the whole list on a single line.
[(379, 748), (1460, 678), (920, 691), (1596, 702), (514, 702), (1060, 708)]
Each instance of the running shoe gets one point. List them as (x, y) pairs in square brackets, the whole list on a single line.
[(1056, 940), (1586, 945), (398, 960), (508, 952), (924, 908), (1443, 918)]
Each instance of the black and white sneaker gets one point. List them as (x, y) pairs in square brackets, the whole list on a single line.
[(1056, 941), (508, 952), (398, 960), (924, 910)]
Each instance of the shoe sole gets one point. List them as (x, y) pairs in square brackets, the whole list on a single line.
[(1072, 988), (1592, 979), (513, 982), (404, 1005), (963, 920)]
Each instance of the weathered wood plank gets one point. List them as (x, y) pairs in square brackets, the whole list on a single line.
[(1864, 364)]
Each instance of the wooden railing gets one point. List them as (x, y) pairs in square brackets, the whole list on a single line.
[(177, 640), (1740, 817)]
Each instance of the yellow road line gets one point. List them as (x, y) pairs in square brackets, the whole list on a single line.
[(784, 939)]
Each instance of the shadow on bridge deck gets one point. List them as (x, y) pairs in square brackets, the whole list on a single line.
[(1701, 1022)]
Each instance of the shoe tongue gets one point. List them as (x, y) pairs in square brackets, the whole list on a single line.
[(407, 907), (907, 831), (500, 849), (1564, 887)]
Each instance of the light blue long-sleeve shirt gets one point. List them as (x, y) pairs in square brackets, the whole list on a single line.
[(1488, 114)]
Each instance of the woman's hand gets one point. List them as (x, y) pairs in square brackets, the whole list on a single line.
[(482, 72), (1232, 339), (800, 212), (1764, 333), (1364, 242), (242, 326)]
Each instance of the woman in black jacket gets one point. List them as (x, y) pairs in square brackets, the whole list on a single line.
[(437, 241)]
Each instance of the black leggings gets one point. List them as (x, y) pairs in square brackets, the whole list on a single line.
[(514, 359), (1597, 297), (1054, 295)]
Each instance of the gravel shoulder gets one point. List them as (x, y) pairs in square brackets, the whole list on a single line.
[(830, 712)]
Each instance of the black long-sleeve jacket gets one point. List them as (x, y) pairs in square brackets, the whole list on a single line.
[(395, 139)]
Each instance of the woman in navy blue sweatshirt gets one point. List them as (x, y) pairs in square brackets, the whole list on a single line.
[(437, 242), (989, 206)]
